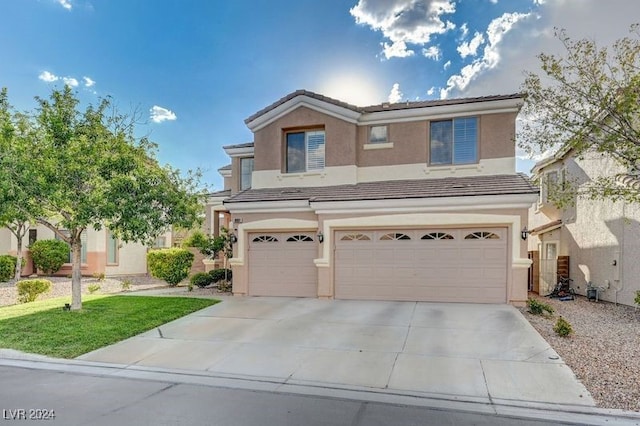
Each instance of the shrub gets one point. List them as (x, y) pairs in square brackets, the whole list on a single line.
[(126, 284), (562, 327), (538, 308), (29, 290), (201, 279), (218, 275), (637, 299), (171, 265), (49, 255), (224, 286), (100, 276), (7, 267), (196, 240)]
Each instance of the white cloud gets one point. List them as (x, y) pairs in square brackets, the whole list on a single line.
[(66, 4), (432, 52), (395, 95), (491, 56), (404, 22), (464, 29), (496, 1), (470, 48), (446, 65), (88, 82), (70, 81), (431, 91), (159, 114), (48, 77)]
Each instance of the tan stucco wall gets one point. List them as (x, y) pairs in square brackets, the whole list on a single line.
[(497, 135), (409, 145), (340, 139)]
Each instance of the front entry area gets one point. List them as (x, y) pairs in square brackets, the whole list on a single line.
[(433, 265), (281, 264)]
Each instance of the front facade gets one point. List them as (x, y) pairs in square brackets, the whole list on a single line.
[(102, 253), (594, 242), (415, 201)]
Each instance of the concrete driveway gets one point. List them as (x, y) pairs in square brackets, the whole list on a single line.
[(468, 352)]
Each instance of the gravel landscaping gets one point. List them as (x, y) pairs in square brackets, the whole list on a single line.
[(603, 350)]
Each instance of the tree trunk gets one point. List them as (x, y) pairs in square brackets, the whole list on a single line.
[(76, 275), (18, 271)]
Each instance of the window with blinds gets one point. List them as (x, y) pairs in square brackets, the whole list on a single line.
[(305, 151), (454, 141)]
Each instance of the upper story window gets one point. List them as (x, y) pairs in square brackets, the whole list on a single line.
[(454, 141), (378, 134), (548, 184), (246, 169), (305, 151)]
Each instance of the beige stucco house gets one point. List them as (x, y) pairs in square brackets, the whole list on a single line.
[(595, 242), (411, 201), (102, 253)]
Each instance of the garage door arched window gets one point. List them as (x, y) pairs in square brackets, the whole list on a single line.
[(395, 236), (437, 236), (298, 238), (265, 239), (355, 237), (482, 235)]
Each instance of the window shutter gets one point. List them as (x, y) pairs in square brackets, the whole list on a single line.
[(465, 144), (315, 150)]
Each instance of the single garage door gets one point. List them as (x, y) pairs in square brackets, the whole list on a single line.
[(438, 265), (281, 264)]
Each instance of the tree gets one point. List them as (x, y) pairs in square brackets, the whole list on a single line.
[(17, 208), (88, 170), (588, 101)]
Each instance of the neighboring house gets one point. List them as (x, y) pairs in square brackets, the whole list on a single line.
[(101, 252), (595, 242), (412, 201)]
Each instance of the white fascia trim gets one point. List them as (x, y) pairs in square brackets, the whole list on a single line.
[(423, 219), (474, 203), (282, 224), (225, 173), (329, 176), (306, 101), (246, 151), (444, 111), (492, 166), (269, 206)]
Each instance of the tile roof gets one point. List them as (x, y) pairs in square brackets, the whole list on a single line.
[(223, 193), (547, 226), (240, 145), (227, 167), (383, 106), (397, 189)]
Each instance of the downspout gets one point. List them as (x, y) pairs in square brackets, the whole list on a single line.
[(620, 253)]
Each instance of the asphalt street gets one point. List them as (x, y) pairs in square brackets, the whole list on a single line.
[(70, 398)]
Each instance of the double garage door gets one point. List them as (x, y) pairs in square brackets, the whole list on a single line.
[(439, 265)]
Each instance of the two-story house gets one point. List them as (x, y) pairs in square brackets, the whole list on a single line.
[(594, 242), (414, 201)]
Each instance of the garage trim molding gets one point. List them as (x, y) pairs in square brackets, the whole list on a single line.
[(268, 225)]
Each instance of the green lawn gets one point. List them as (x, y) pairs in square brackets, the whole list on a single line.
[(44, 328)]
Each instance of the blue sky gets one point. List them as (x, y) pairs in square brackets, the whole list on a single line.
[(194, 70)]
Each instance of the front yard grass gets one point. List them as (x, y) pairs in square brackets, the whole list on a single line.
[(45, 328)]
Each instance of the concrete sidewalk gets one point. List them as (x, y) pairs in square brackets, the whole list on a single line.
[(466, 352)]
